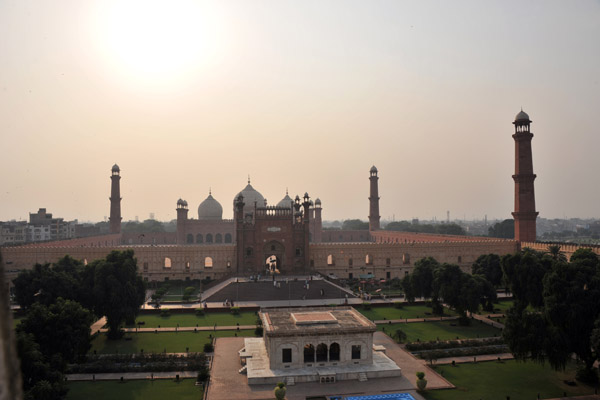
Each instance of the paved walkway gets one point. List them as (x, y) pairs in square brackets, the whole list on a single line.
[(185, 329), (97, 326), (488, 321), (409, 364), (131, 376)]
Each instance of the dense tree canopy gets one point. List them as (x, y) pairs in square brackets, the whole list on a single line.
[(355, 224), (119, 290), (449, 284), (45, 283), (556, 309), (41, 381), (488, 265), (61, 329), (504, 229)]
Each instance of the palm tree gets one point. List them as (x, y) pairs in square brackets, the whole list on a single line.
[(556, 254)]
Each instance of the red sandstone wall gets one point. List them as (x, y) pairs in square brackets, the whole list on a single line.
[(337, 236), (411, 237)]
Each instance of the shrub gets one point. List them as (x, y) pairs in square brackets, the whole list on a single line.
[(258, 331), (400, 335), (209, 348), (279, 391), (398, 304), (589, 376), (366, 305), (165, 312), (235, 310), (199, 312), (420, 375), (463, 320)]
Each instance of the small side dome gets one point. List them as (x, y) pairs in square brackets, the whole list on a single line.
[(286, 202), (115, 168), (318, 202), (180, 202), (210, 210), (185, 203), (373, 169), (522, 117)]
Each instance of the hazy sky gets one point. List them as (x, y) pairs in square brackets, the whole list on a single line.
[(187, 96)]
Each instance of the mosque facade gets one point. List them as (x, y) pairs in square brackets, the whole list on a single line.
[(288, 237)]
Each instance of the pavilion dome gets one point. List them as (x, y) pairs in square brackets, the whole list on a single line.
[(373, 169), (210, 210), (251, 196), (115, 168)]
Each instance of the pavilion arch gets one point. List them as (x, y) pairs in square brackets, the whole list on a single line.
[(209, 238), (228, 238), (334, 352), (168, 263), (208, 262), (199, 238), (368, 259), (218, 238), (309, 353), (321, 352), (189, 239), (330, 259)]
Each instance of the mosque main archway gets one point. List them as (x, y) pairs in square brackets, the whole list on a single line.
[(274, 254)]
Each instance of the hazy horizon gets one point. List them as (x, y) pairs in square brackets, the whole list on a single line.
[(190, 96)]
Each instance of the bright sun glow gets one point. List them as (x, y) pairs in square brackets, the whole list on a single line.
[(154, 41)]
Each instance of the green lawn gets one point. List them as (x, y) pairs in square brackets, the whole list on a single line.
[(413, 311), (190, 319), (499, 308), (442, 330), (16, 321), (158, 342), (495, 381), (135, 390)]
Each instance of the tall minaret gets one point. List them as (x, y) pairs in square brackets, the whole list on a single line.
[(115, 200), (525, 214), (374, 201)]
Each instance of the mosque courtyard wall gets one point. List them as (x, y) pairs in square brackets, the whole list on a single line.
[(160, 262)]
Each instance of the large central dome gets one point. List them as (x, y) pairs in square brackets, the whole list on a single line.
[(210, 210), (251, 196)]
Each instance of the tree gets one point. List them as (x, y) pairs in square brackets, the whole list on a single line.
[(523, 273), (504, 229), (61, 329), (40, 379), (556, 254), (45, 283), (422, 276), (488, 266), (355, 224), (119, 290), (566, 311)]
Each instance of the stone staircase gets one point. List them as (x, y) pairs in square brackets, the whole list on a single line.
[(289, 381), (362, 377)]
